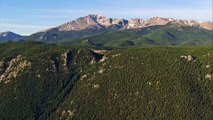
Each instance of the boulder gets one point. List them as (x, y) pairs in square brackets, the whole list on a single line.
[(96, 86), (208, 66), (188, 57), (209, 76), (2, 64)]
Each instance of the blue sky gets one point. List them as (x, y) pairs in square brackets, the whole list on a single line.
[(28, 16)]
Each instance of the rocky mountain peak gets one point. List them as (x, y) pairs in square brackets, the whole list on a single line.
[(92, 24), (80, 24), (8, 35), (100, 21), (206, 25), (136, 23), (157, 21), (92, 20)]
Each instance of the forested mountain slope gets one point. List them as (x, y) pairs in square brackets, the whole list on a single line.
[(47, 81), (164, 35)]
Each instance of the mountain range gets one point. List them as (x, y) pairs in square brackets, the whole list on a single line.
[(109, 69), (4, 36), (98, 30)]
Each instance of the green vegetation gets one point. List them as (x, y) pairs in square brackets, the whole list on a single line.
[(167, 35), (133, 83)]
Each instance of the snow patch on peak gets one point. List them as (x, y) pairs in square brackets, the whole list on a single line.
[(171, 19), (200, 21), (4, 35)]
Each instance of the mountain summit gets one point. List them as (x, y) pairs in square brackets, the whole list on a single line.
[(93, 24), (92, 21), (9, 36), (101, 21)]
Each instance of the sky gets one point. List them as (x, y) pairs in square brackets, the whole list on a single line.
[(29, 16)]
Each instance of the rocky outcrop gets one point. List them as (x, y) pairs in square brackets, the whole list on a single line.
[(157, 21), (101, 71), (67, 115), (98, 55), (209, 76), (136, 23), (66, 58), (208, 66), (96, 86), (2, 67), (188, 57), (75, 60), (206, 25), (99, 51), (104, 58), (16, 66), (55, 65)]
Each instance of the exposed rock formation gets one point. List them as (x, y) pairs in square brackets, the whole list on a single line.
[(98, 55), (16, 66), (209, 76), (93, 61), (76, 57), (206, 25), (67, 115), (66, 58), (99, 51), (136, 23), (157, 21), (93, 24), (96, 86), (103, 59), (92, 20), (101, 71), (99, 22), (55, 65), (188, 57), (2, 67), (208, 66)]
